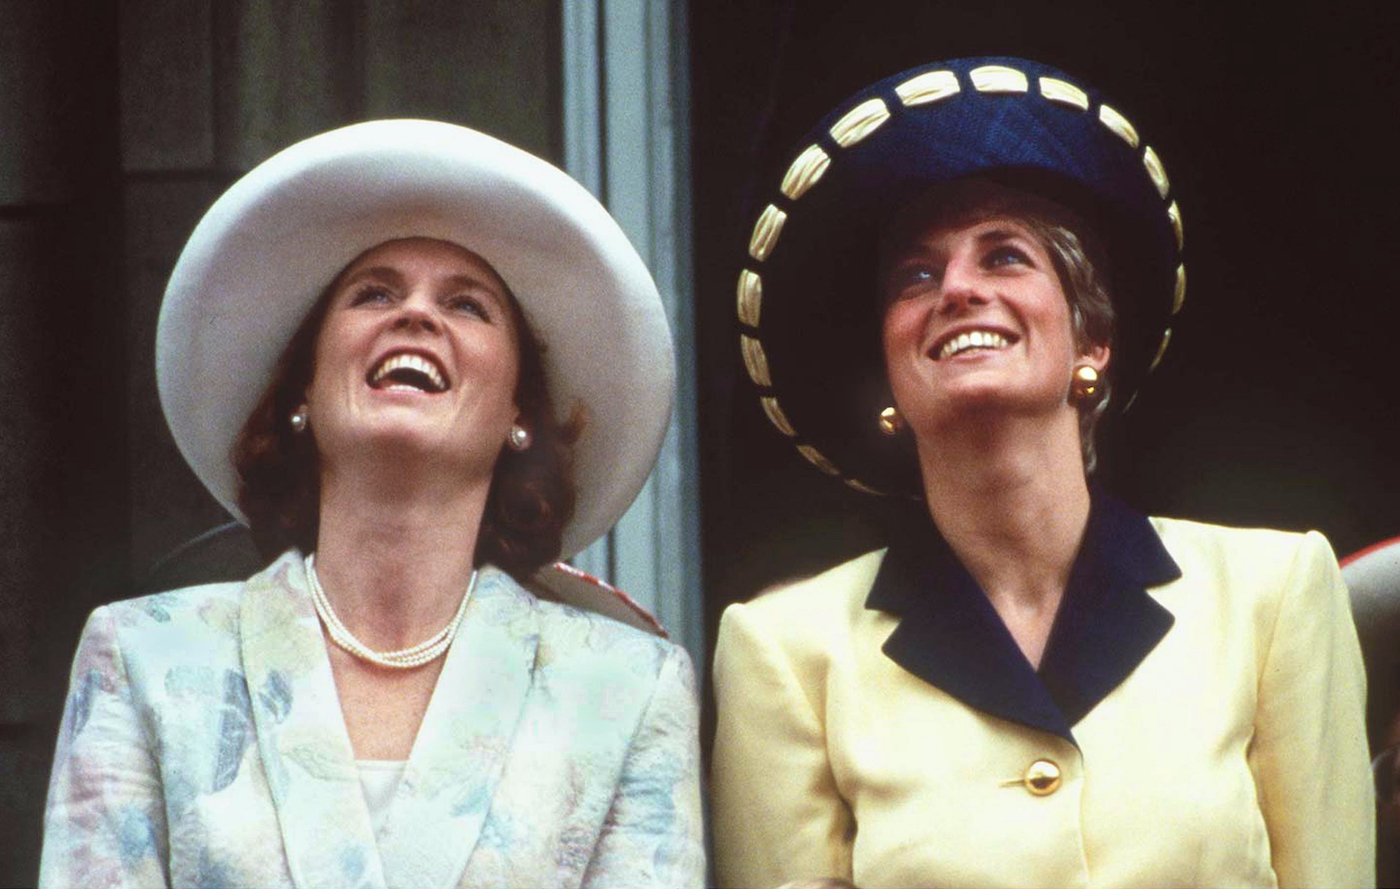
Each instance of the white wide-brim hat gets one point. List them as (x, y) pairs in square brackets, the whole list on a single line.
[(273, 242)]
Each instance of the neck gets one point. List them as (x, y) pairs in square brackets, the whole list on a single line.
[(395, 554), (1009, 495)]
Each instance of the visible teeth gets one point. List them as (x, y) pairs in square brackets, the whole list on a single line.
[(974, 339), (410, 361)]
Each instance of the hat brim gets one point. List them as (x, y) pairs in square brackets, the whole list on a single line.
[(266, 250)]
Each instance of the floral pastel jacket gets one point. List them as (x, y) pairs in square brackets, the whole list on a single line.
[(203, 744)]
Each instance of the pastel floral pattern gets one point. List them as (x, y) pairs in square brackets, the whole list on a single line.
[(203, 744)]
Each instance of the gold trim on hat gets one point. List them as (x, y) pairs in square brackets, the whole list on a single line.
[(998, 79), (928, 87), (860, 122), (862, 487), (816, 458), (1161, 350), (1156, 171), (776, 415), (804, 172), (1116, 122), (1179, 295), (1056, 90), (755, 361), (750, 297), (1174, 214), (766, 231)]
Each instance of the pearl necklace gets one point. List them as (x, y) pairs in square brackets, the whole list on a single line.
[(403, 659)]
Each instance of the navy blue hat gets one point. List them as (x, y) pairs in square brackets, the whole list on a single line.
[(807, 295)]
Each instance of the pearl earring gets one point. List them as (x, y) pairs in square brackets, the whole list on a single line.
[(299, 419), (519, 438)]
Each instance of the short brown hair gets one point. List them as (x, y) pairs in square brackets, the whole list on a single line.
[(532, 491), (1079, 260)]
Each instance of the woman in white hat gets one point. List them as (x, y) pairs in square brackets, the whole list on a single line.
[(435, 362), (1033, 684)]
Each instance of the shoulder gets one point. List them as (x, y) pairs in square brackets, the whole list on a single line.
[(581, 642), (805, 625), (1250, 576), (561, 622), (1252, 555), (1204, 535), (192, 616), (813, 604), (637, 678), (140, 644)]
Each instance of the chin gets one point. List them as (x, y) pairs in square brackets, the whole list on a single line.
[(403, 436), (976, 395), (407, 440), (982, 399)]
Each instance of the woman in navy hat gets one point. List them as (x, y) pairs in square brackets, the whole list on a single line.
[(963, 268)]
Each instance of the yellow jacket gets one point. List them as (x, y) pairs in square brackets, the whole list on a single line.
[(1197, 720)]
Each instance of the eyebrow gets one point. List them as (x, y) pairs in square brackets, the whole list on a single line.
[(381, 272), (394, 278), (473, 282), (1001, 233)]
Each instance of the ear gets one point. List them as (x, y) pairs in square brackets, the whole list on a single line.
[(1096, 357)]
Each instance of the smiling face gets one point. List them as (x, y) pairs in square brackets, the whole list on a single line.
[(976, 318), (418, 355)]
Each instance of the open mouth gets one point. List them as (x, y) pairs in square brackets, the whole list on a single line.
[(408, 370), (969, 340)]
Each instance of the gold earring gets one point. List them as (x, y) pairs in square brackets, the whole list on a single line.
[(1085, 383), (299, 419), (891, 423)]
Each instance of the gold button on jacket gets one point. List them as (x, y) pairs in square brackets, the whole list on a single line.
[(1042, 777)]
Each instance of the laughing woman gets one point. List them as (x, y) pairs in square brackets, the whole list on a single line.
[(1032, 684), (365, 352)]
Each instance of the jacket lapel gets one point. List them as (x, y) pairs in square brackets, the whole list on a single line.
[(1107, 623), (301, 733), (436, 816), (950, 635)]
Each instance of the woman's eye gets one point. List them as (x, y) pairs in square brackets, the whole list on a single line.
[(1006, 255), (470, 305), (372, 293), (912, 279)]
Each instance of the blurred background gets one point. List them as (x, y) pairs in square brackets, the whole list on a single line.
[(121, 122)]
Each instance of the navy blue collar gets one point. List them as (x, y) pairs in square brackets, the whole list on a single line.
[(950, 636)]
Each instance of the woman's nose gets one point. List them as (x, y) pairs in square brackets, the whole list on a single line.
[(414, 314), (962, 286)]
